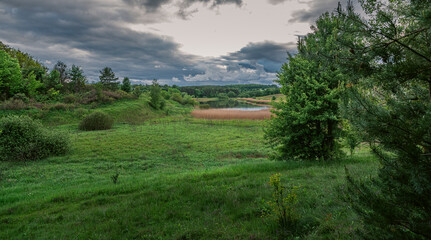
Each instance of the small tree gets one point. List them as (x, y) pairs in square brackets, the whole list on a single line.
[(61, 68), (10, 76), (52, 80), (108, 79), (126, 86), (155, 95), (77, 78)]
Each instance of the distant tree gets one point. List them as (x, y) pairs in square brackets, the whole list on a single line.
[(108, 79), (155, 95), (231, 94), (10, 76), (77, 79), (61, 68), (126, 86), (52, 80)]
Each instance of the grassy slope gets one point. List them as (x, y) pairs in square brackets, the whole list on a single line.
[(179, 178)]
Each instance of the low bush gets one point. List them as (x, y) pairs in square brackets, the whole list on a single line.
[(14, 104), (22, 139), (96, 121)]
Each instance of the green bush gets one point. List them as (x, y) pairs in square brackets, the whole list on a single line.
[(177, 97), (22, 139), (96, 121)]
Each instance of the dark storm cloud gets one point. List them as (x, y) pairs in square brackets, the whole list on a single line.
[(92, 39), (269, 54), (183, 5), (254, 63), (93, 34), (317, 8)]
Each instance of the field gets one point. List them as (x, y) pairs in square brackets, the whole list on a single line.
[(169, 176)]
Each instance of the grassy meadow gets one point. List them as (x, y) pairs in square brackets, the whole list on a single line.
[(166, 175)]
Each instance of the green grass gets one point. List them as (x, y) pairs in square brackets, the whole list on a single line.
[(179, 178)]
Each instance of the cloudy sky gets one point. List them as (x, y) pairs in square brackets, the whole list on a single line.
[(182, 42)]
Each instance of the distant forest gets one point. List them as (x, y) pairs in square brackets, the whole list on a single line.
[(245, 90)]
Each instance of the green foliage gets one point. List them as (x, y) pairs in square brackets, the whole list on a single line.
[(52, 81), (23, 139), (306, 124), (32, 86), (243, 90), (351, 136), (231, 94), (108, 79), (390, 104), (77, 78), (177, 97), (126, 86), (61, 68), (283, 206), (10, 76), (137, 91), (24, 59), (155, 96), (96, 121)]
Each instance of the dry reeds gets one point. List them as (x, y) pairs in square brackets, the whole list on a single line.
[(231, 114)]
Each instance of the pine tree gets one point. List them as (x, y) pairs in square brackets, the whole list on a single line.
[(108, 79), (77, 78), (126, 86), (390, 104)]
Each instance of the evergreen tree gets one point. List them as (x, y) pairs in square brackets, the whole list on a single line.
[(306, 124), (126, 86), (390, 104), (108, 79), (77, 79)]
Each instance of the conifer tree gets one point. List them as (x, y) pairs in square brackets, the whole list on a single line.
[(77, 78), (108, 79), (126, 86), (390, 104)]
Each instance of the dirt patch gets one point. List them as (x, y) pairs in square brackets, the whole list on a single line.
[(231, 114)]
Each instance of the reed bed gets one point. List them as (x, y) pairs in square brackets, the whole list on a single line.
[(231, 114)]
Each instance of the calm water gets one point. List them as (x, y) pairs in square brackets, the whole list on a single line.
[(231, 104)]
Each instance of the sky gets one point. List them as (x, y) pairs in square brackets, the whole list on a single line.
[(181, 42)]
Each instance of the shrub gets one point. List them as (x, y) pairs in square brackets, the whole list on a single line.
[(96, 121), (282, 206), (61, 106), (70, 98), (14, 104), (22, 97), (22, 139), (177, 97)]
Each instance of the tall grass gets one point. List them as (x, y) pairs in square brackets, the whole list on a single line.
[(231, 114)]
